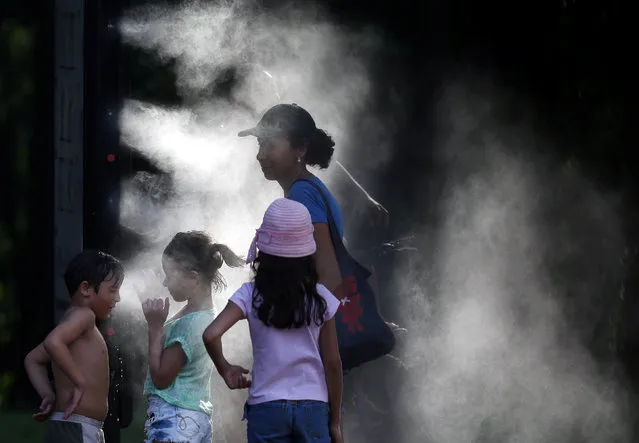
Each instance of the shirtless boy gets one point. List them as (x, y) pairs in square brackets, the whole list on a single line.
[(78, 354)]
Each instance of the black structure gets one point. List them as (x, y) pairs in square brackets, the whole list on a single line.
[(105, 161), (104, 165)]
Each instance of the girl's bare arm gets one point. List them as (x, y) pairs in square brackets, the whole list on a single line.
[(164, 364), (213, 335)]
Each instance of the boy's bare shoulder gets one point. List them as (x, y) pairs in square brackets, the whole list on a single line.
[(79, 314), (75, 321)]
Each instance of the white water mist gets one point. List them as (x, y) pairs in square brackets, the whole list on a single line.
[(525, 248), (492, 353), (285, 55)]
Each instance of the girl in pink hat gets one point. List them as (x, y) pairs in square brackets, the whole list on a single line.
[(295, 388)]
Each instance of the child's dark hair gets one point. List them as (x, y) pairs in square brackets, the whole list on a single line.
[(93, 267), (285, 294), (195, 251), (319, 149)]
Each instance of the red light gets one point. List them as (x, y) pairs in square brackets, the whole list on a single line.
[(110, 158)]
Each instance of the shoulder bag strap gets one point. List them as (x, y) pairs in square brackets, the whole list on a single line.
[(338, 244)]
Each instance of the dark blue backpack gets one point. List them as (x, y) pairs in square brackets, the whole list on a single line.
[(362, 333)]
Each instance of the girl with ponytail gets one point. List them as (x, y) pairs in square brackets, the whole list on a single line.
[(178, 381)]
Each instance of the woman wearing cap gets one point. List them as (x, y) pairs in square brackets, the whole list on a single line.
[(295, 391), (289, 142)]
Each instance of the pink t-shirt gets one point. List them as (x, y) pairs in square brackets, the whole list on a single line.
[(286, 362)]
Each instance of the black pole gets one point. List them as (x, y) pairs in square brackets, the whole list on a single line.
[(103, 170), (103, 97), (68, 141)]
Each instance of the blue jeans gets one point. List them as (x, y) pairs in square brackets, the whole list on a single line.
[(170, 423), (288, 421)]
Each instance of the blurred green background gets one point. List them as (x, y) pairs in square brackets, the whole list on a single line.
[(26, 211)]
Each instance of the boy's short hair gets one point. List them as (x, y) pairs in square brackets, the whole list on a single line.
[(93, 267)]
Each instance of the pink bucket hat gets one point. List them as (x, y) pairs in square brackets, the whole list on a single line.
[(286, 231)]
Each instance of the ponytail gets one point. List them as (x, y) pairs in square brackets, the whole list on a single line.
[(226, 255), (320, 149), (221, 254), (195, 251)]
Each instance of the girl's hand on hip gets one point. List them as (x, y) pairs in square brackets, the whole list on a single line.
[(237, 377)]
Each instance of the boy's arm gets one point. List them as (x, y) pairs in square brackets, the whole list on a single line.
[(35, 363), (79, 321)]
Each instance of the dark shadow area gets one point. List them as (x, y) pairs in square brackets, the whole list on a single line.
[(26, 207)]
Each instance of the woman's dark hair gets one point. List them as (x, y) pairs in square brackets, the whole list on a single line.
[(319, 149), (285, 294), (94, 267), (195, 251)]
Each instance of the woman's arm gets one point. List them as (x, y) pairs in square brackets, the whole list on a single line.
[(325, 258), (333, 370)]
